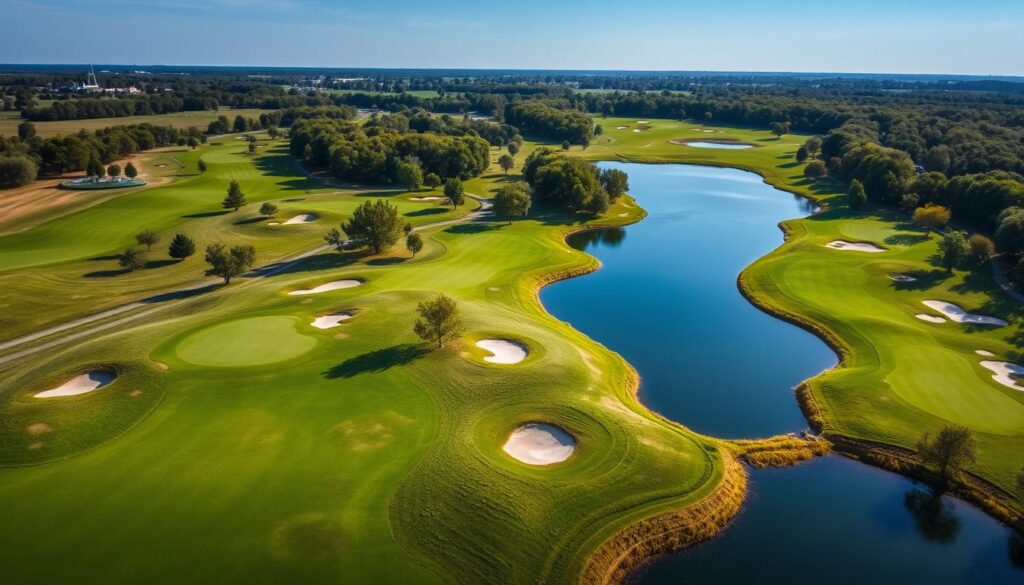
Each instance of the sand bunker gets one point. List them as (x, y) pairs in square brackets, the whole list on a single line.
[(329, 321), (955, 313), (304, 218), (540, 444), (1004, 373), (431, 198), (930, 318), (274, 223), (337, 284), (855, 246), (81, 384), (621, 127), (984, 353), (642, 122), (709, 131), (505, 351), (902, 278), (639, 129)]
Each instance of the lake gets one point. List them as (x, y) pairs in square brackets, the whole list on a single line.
[(714, 363)]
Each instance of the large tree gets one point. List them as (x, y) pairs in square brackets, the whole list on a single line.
[(130, 171), (615, 182), (953, 248), (506, 162), (229, 263), (455, 192), (439, 320), (982, 248), (268, 209), (414, 243), (512, 201), (931, 217), (855, 196), (375, 225), (16, 171), (947, 450), (132, 259), (235, 198), (410, 175)]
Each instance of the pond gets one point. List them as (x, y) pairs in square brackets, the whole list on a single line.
[(666, 299), (721, 145)]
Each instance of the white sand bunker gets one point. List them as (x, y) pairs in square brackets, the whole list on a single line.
[(639, 129), (505, 351), (303, 218), (984, 353), (855, 246), (330, 321), (81, 384), (431, 198), (642, 122), (1005, 373), (621, 127), (902, 277), (336, 285), (709, 131), (930, 318), (540, 444), (955, 313)]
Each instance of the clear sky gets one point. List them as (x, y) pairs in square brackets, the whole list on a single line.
[(890, 36)]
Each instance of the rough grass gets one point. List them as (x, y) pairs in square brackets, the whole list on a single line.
[(9, 124)]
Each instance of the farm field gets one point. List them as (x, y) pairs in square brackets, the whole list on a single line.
[(201, 119)]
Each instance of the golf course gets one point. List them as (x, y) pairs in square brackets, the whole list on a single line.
[(291, 425)]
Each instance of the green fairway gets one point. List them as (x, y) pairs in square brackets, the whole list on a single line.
[(246, 342)]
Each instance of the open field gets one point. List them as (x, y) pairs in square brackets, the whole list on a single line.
[(353, 453), (9, 124), (900, 375)]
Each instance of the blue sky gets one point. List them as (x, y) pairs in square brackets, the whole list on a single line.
[(893, 36)]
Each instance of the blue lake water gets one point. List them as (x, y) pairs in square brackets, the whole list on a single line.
[(711, 361)]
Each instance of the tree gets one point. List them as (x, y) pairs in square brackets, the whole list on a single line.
[(512, 201), (432, 180), (130, 171), (202, 166), (374, 225), (132, 259), (565, 145), (779, 128), (708, 115), (981, 247), (335, 238), (414, 243), (439, 320), (410, 175), (181, 247), (615, 183), (273, 132), (856, 197), (931, 217), (26, 131), (147, 238), (193, 142), (506, 162), (513, 148), (813, 146), (114, 171), (953, 248), (598, 130), (909, 202), (240, 124), (268, 209), (95, 168), (454, 191), (235, 198), (948, 450), (801, 154), (407, 228), (937, 159), (252, 147), (815, 170), (16, 171), (229, 263)]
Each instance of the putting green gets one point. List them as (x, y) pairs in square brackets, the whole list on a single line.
[(255, 341)]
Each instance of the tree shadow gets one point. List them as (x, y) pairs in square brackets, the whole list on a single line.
[(473, 228), (924, 280), (205, 214), (934, 517), (905, 239), (103, 258), (180, 294), (427, 211), (390, 260), (250, 220), (294, 199), (105, 273), (323, 261), (160, 263), (377, 361)]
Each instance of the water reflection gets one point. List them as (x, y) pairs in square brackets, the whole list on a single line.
[(933, 515), (611, 237)]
